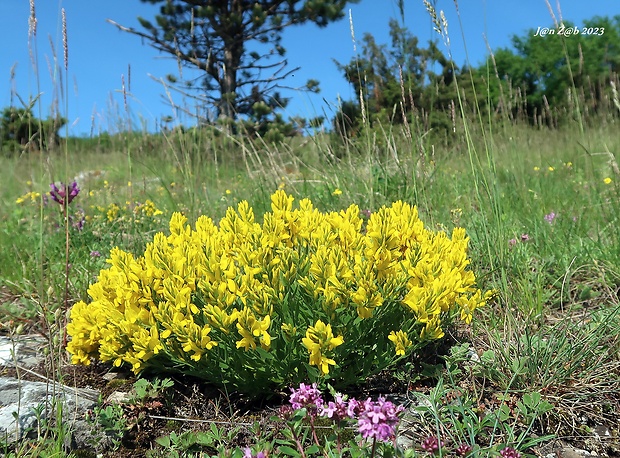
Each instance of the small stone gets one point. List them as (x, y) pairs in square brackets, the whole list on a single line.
[(601, 432), (114, 376), (118, 397), (23, 403)]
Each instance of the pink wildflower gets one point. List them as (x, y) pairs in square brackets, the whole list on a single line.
[(378, 419)]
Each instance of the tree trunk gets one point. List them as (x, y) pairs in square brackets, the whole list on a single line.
[(228, 105)]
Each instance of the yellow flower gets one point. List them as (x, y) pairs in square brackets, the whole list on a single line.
[(249, 328), (432, 330), (319, 338), (289, 331), (607, 180), (536, 169), (401, 341), (366, 301), (336, 192), (219, 318), (551, 169), (112, 212), (228, 191), (32, 195)]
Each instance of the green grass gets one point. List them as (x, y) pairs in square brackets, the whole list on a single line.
[(553, 329)]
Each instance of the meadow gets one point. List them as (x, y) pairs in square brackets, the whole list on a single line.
[(535, 371), (540, 207)]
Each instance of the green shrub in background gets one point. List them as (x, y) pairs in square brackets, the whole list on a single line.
[(20, 129)]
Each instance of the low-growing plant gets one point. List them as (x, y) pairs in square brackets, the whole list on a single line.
[(346, 426), (111, 419), (145, 390), (304, 295), (176, 445)]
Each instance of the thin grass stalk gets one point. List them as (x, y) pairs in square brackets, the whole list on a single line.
[(128, 135), (480, 179), (572, 87), (65, 310)]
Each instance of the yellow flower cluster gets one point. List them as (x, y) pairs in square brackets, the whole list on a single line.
[(318, 339), (31, 196), (131, 211), (302, 282)]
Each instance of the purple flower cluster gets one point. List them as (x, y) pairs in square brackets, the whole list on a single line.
[(432, 445), (306, 396), (338, 409), (375, 419), (524, 238), (510, 452), (463, 450), (550, 218), (378, 419), (65, 193), (248, 454)]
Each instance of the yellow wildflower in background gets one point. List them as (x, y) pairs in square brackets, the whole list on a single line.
[(112, 212), (607, 180), (336, 192), (32, 195)]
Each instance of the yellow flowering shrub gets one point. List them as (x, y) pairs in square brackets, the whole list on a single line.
[(304, 294)]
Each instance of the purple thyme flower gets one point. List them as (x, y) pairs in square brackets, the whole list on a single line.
[(510, 452), (378, 419), (432, 444), (95, 254), (247, 453), (525, 237), (337, 410), (68, 192), (306, 396), (550, 217), (463, 450), (354, 408), (512, 242)]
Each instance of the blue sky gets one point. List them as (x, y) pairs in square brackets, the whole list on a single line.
[(100, 55)]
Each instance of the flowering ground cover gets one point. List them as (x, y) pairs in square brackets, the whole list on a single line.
[(249, 307)]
